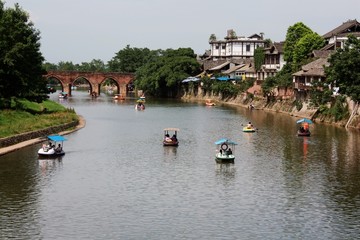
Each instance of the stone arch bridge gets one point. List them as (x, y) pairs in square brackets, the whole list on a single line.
[(95, 79)]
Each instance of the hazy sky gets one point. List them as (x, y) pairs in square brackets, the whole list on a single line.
[(83, 30)]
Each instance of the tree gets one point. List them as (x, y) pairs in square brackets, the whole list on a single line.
[(300, 41), (67, 66), (293, 36), (163, 76), (96, 65), (259, 58), (21, 71), (130, 59), (212, 37), (344, 69), (305, 46)]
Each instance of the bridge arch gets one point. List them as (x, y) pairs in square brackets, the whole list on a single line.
[(95, 79)]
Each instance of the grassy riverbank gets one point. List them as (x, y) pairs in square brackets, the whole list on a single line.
[(25, 116)]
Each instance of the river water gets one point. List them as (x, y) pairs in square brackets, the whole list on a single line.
[(117, 181)]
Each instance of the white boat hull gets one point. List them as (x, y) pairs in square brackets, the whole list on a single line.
[(50, 152)]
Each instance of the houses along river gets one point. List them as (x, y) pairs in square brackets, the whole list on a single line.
[(117, 181)]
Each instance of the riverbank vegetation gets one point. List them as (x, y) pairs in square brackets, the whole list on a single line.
[(23, 89), (26, 116)]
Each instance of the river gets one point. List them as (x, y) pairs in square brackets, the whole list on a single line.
[(117, 181)]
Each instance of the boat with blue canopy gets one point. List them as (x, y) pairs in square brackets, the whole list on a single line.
[(304, 127), (225, 149), (54, 147)]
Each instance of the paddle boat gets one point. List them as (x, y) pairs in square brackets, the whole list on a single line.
[(249, 128), (303, 130), (63, 95), (118, 97), (54, 148), (171, 141), (209, 102), (225, 151), (139, 105)]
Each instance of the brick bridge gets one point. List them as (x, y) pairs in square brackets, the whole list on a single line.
[(95, 79)]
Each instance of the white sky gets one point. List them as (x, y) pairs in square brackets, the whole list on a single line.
[(83, 30)]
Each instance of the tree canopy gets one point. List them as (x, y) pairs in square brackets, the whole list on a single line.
[(344, 69), (130, 59), (299, 43), (21, 68), (293, 36), (305, 45), (163, 75)]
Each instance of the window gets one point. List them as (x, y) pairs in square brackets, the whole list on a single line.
[(248, 47)]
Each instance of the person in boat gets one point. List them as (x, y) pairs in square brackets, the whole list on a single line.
[(173, 138), (306, 127), (249, 125), (302, 129), (229, 152), (167, 138), (59, 148), (49, 146)]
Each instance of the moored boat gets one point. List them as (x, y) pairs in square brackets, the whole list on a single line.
[(225, 149), (209, 102), (118, 97)]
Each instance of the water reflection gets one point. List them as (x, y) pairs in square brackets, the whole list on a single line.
[(49, 166)]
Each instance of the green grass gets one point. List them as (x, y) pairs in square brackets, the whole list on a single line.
[(28, 116)]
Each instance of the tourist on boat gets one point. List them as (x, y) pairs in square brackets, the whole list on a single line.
[(50, 145), (302, 129), (249, 125), (58, 149), (229, 152), (173, 138), (167, 138)]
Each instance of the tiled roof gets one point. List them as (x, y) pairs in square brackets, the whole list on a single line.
[(343, 28), (233, 69), (275, 47), (321, 53), (218, 67), (314, 68), (328, 47)]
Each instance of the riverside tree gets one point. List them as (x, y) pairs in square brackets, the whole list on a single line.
[(162, 77), (300, 41), (344, 69), (130, 59), (21, 71)]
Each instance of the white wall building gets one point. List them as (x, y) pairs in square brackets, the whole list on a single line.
[(235, 47)]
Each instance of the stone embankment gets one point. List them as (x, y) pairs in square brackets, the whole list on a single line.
[(285, 107), (13, 143)]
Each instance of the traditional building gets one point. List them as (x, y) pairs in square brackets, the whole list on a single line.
[(338, 36), (235, 47), (273, 62), (310, 73)]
